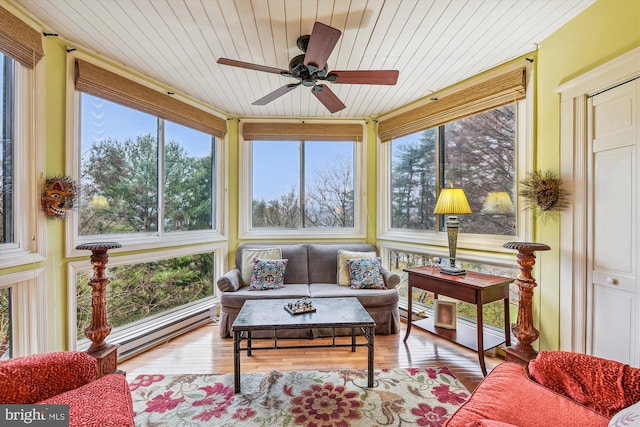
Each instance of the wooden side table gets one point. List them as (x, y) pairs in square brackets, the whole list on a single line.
[(474, 288)]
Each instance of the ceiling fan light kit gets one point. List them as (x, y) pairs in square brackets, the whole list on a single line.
[(311, 67)]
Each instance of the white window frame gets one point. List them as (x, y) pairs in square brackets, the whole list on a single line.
[(245, 196), (28, 316), (138, 241), (168, 318), (471, 247), (29, 243)]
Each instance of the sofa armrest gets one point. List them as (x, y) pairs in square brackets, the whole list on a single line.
[(230, 281), (390, 278), (606, 386), (31, 379)]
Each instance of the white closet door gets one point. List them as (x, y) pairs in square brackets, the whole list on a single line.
[(612, 317)]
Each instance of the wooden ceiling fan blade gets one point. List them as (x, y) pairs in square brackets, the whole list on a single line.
[(250, 66), (323, 40), (276, 94), (366, 77), (328, 98)]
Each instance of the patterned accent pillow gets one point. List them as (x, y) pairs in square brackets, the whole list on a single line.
[(267, 274), (249, 254), (343, 271), (366, 273)]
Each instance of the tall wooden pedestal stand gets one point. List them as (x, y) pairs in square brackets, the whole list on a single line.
[(105, 354), (523, 330)]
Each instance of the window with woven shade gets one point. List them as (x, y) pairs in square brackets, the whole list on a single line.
[(469, 137), (303, 178)]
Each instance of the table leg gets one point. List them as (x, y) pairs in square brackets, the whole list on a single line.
[(248, 343), (353, 339), (409, 311), (507, 323), (236, 361), (370, 356), (479, 327)]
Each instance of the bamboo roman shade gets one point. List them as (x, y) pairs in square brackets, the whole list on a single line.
[(492, 93), (301, 132), (18, 40), (105, 84)]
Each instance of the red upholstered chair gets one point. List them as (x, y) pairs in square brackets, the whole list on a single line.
[(561, 389), (68, 378)]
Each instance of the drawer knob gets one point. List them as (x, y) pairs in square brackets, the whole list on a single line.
[(612, 281)]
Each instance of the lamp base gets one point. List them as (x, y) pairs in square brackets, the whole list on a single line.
[(453, 271)]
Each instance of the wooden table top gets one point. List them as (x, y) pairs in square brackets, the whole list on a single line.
[(471, 279)]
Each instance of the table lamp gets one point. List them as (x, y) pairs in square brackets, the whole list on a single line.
[(452, 202)]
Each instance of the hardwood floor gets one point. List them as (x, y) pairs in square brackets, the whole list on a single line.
[(202, 351)]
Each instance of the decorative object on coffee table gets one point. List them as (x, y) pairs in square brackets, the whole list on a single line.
[(300, 307), (99, 329), (452, 202), (523, 330)]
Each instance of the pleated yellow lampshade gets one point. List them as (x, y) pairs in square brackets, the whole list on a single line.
[(452, 201)]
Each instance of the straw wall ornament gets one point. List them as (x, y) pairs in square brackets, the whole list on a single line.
[(543, 193)]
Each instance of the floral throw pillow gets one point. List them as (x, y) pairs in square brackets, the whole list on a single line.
[(366, 273), (267, 274)]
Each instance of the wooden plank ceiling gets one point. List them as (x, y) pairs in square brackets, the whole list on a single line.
[(434, 44)]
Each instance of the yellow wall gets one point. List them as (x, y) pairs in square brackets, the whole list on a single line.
[(602, 32)]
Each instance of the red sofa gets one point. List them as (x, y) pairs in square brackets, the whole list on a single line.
[(68, 378), (561, 389)]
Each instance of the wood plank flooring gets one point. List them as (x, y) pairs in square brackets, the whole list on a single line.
[(202, 351)]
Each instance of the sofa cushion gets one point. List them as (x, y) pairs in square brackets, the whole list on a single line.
[(344, 279), (323, 260), (267, 274), (247, 262), (367, 297), (365, 273), (298, 265), (507, 394), (236, 299), (606, 386)]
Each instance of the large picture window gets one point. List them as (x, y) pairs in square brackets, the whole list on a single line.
[(313, 186), (124, 151), (477, 153), (7, 120)]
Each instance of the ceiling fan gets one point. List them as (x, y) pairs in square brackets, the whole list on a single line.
[(311, 67)]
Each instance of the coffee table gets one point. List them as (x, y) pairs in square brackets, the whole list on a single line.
[(270, 315)]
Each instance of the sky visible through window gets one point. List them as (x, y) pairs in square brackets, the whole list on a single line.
[(110, 120), (276, 164)]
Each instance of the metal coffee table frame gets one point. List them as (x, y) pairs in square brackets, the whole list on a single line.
[(270, 315)]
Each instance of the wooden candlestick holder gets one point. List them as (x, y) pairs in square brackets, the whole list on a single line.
[(99, 329), (523, 330)]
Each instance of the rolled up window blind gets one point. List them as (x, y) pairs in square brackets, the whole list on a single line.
[(302, 132), (19, 40), (97, 81), (492, 93)]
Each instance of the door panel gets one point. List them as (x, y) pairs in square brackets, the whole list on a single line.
[(613, 225)]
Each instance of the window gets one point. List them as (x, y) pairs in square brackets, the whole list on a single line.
[(138, 291), (313, 186), (303, 180), (122, 153), (150, 295), (7, 214), (6, 336), (478, 153), (492, 313)]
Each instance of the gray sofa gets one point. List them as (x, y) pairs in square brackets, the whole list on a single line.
[(311, 272)]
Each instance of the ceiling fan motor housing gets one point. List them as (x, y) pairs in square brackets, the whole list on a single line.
[(298, 70)]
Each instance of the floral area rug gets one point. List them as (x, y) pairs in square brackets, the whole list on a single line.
[(400, 397)]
